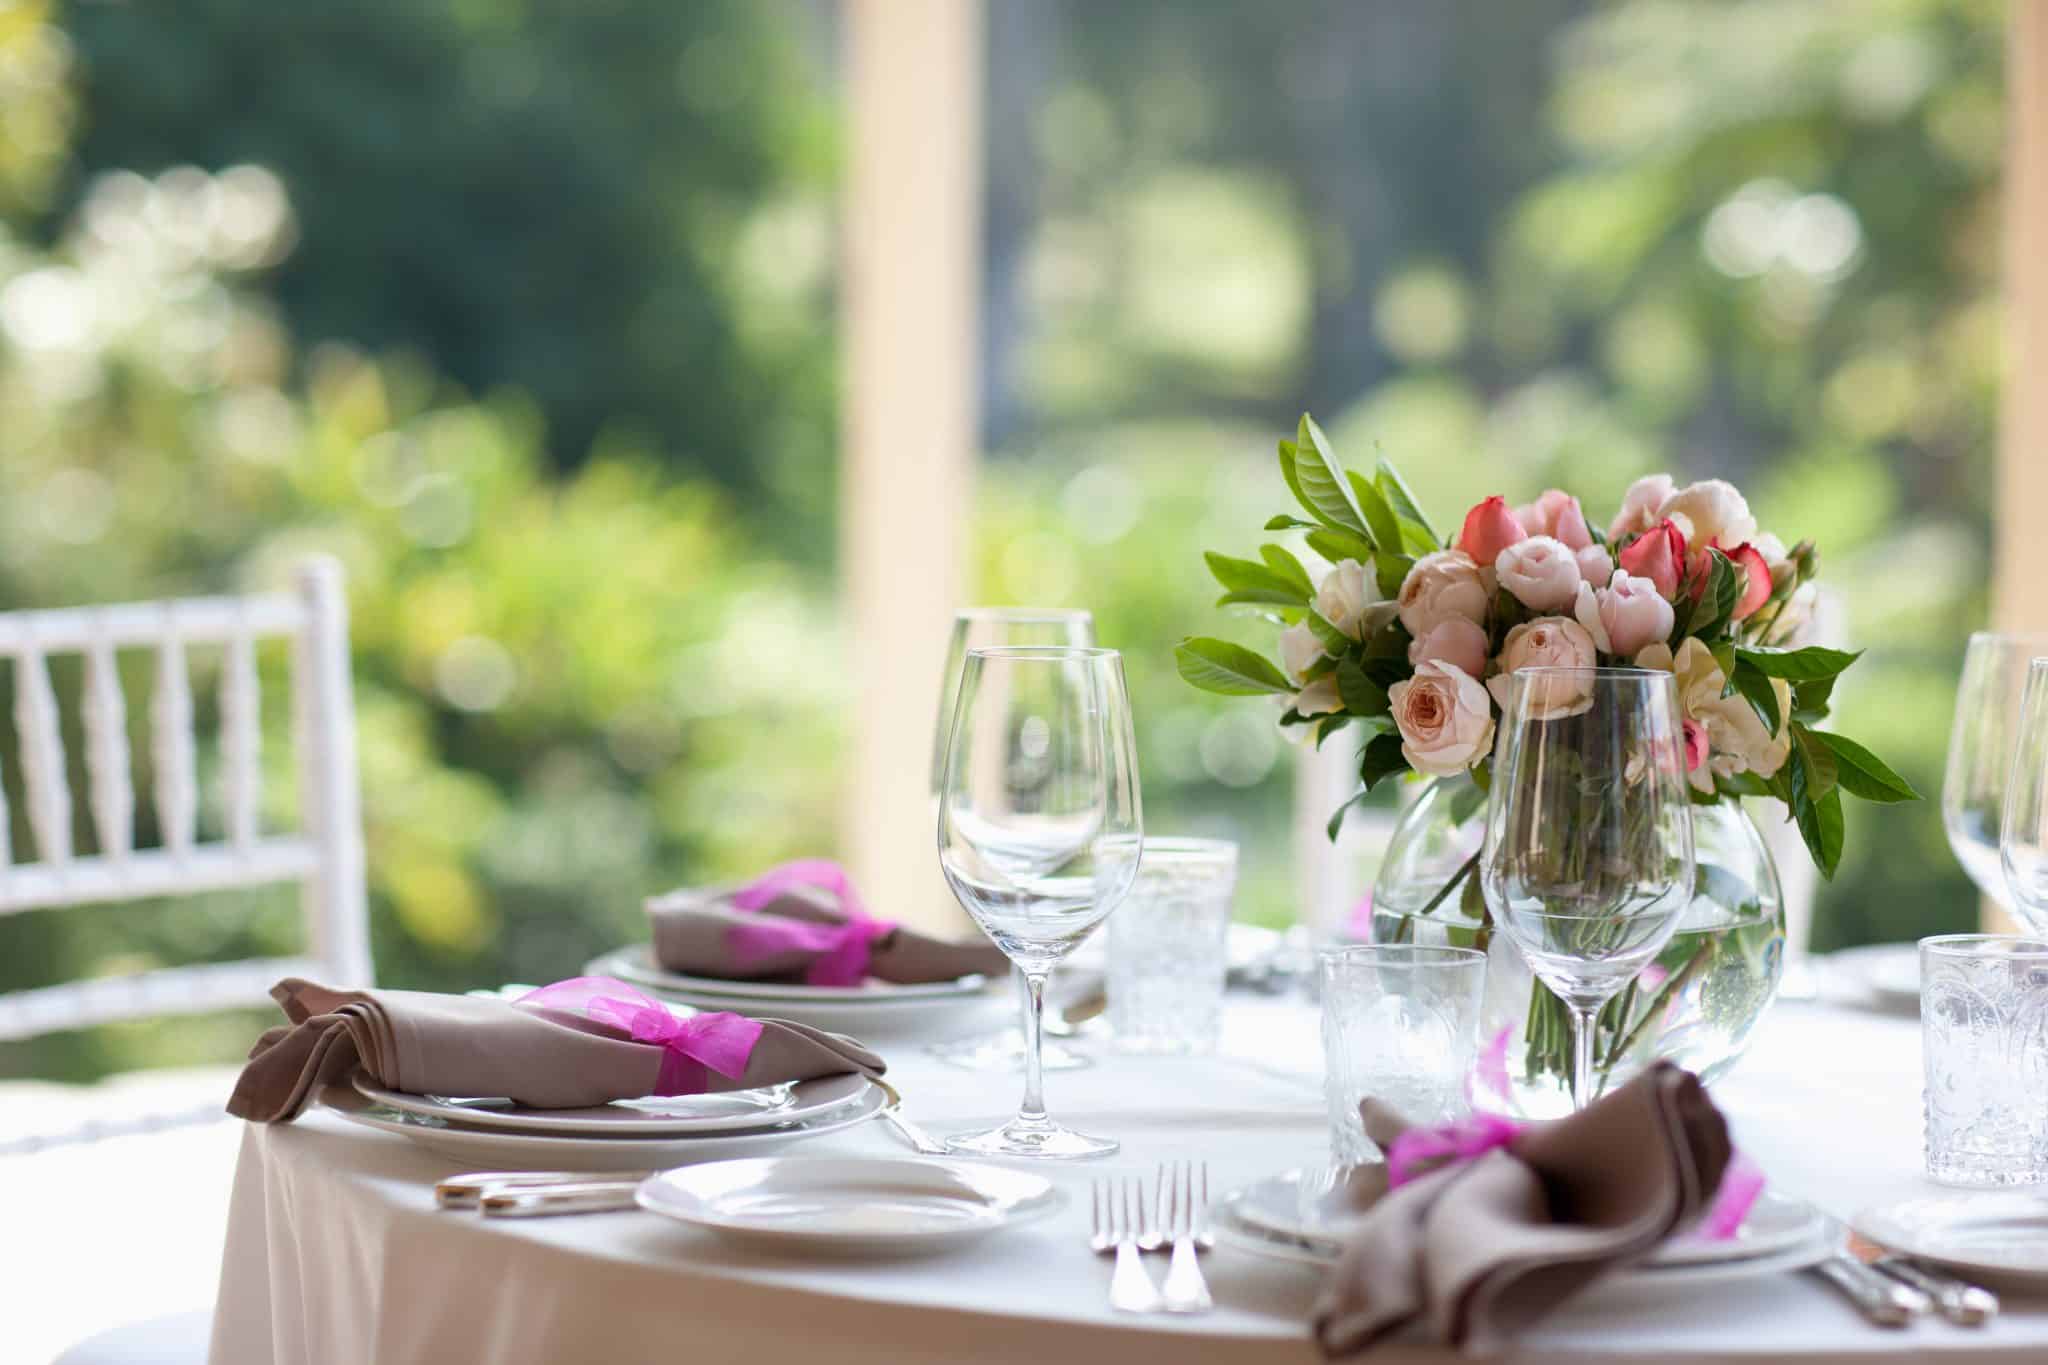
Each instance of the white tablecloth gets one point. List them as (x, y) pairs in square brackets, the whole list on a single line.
[(335, 1252)]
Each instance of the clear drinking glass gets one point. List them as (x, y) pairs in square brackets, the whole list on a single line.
[(1980, 754), (1040, 833), (1169, 948), (995, 628), (1588, 860), (1984, 1049), (1400, 1024)]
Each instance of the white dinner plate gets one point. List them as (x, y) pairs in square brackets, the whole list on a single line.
[(1995, 1232), (482, 1149), (1298, 1207), (850, 1204), (635, 963), (1889, 971), (1651, 1276), (654, 1117)]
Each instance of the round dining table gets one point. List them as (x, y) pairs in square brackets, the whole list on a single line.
[(336, 1252)]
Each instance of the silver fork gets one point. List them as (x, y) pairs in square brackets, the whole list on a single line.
[(1185, 1289), (1115, 1228)]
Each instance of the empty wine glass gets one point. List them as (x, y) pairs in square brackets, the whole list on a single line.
[(1040, 832), (988, 628), (1980, 753), (1588, 860), (2023, 824)]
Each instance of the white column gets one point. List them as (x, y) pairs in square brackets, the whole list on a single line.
[(909, 415), (2020, 574)]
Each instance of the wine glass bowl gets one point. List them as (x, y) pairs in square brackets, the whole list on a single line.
[(1980, 755), (1040, 832), (2023, 819), (1588, 861)]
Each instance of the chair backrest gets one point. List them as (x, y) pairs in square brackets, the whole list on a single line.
[(325, 855)]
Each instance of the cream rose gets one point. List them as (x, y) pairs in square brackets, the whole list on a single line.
[(1318, 698), (1710, 512), (1639, 506), (1440, 586), (1546, 642), (1445, 721), (1453, 640), (1541, 572), (1736, 739), (1344, 597), (1624, 616), (1299, 649)]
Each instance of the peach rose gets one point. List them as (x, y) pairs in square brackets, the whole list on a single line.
[(1596, 565), (1541, 572), (1547, 642), (1625, 615), (1639, 506), (1445, 721), (1453, 640), (1442, 585)]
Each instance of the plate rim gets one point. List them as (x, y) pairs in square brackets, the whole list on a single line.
[(1040, 1203), (1870, 1222), (637, 959), (536, 1121)]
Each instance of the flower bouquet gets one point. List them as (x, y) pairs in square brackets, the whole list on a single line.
[(1408, 636)]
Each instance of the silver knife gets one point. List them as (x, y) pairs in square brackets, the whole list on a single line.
[(1882, 1301), (597, 1196), (465, 1191), (1963, 1303)]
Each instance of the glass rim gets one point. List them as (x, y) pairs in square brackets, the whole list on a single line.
[(1042, 653), (2009, 636), (1598, 671), (1187, 846), (1961, 945), (1391, 954), (1033, 615)]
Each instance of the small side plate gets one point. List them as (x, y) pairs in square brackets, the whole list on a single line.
[(1993, 1233)]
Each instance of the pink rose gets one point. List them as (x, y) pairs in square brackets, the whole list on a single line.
[(1556, 514), (1596, 565), (1748, 559), (1640, 506), (1489, 528), (1542, 574), (1453, 640), (1445, 721), (1547, 642), (1625, 615), (1658, 554), (1443, 584)]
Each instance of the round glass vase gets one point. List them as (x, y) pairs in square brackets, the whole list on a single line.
[(1697, 1004)]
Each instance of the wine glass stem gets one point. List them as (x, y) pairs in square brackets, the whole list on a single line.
[(1033, 1110), (1583, 1027)]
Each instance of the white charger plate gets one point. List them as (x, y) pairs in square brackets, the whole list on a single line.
[(851, 1204), (1294, 1207), (670, 1116), (1995, 1232), (1648, 1277), (482, 1149), (636, 964)]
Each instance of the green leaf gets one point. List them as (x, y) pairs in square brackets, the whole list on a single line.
[(1392, 570), (1508, 611), (1288, 567), (1379, 519), (1862, 773), (1232, 670), (1362, 696), (1416, 532), (1810, 699), (1334, 640), (1743, 784), (1334, 545), (1717, 602), (1381, 759), (1762, 697), (1814, 771), (1724, 659), (1330, 726), (1283, 522), (1466, 801), (1288, 471), (1336, 824), (1252, 581), (1810, 664), (1387, 669), (1320, 481), (1820, 825), (1263, 597)]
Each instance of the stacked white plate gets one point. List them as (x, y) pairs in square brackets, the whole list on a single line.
[(932, 1009), (643, 1134), (1295, 1216)]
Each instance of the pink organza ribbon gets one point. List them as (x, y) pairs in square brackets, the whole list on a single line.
[(843, 949), (1419, 1151), (691, 1048)]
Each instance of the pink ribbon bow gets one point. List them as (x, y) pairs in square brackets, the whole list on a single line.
[(843, 949), (691, 1047), (1419, 1151)]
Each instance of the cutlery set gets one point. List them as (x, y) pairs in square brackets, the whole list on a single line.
[(1175, 1219), (1891, 1290)]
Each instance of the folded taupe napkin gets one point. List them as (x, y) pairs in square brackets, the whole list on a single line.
[(1475, 1251), (802, 922), (544, 1055)]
